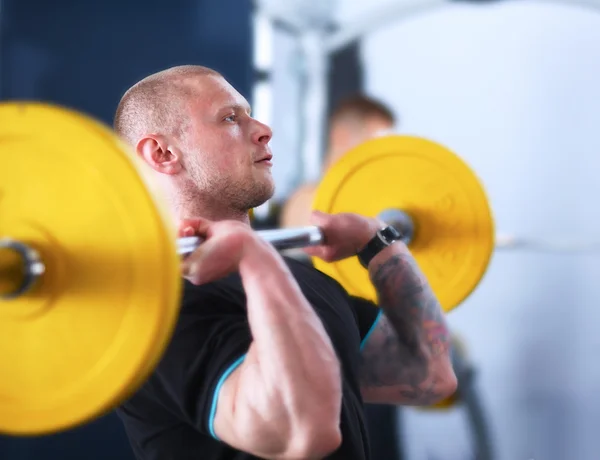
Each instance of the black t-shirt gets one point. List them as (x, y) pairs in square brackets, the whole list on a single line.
[(171, 415)]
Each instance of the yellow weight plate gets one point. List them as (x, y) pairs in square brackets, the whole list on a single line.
[(104, 310), (454, 237)]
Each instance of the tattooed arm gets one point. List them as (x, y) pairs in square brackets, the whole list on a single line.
[(406, 358)]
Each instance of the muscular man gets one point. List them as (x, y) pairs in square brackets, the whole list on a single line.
[(270, 358), (354, 121)]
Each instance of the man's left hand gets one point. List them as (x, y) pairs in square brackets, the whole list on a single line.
[(345, 234)]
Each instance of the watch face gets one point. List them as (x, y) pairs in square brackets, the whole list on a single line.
[(390, 234)]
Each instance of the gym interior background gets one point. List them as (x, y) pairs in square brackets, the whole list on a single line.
[(510, 86)]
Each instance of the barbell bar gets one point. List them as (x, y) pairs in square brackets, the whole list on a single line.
[(302, 237), (90, 259), (281, 239), (21, 266)]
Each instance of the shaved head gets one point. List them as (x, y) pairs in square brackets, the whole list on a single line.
[(155, 104), (354, 121), (359, 108), (196, 133)]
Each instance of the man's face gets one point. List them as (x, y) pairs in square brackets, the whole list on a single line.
[(226, 151)]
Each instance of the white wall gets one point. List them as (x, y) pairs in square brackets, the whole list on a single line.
[(286, 119), (514, 88)]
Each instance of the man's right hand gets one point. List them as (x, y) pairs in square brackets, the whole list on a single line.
[(223, 247)]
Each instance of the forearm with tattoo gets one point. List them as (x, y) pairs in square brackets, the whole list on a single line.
[(411, 337)]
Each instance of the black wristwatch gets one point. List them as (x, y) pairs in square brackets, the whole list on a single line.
[(382, 239)]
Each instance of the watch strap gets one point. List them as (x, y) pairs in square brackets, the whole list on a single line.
[(382, 239)]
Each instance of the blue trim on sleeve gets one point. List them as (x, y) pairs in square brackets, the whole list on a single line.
[(215, 399), (364, 341)]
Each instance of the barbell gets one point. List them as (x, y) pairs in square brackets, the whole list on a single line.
[(89, 258)]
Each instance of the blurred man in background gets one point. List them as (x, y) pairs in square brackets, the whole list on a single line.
[(354, 121)]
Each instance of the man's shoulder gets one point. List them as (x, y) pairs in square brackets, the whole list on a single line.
[(303, 269), (229, 291), (221, 293)]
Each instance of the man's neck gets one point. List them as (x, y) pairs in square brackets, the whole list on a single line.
[(214, 213)]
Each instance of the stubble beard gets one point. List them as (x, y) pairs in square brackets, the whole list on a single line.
[(226, 192)]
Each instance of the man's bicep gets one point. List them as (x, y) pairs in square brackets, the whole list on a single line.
[(367, 316), (206, 349), (379, 351), (389, 374), (379, 360), (236, 420), (207, 371), (220, 416)]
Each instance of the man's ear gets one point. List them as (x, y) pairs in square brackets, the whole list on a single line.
[(159, 154)]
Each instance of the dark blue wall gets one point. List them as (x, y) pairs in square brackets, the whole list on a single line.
[(84, 54)]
